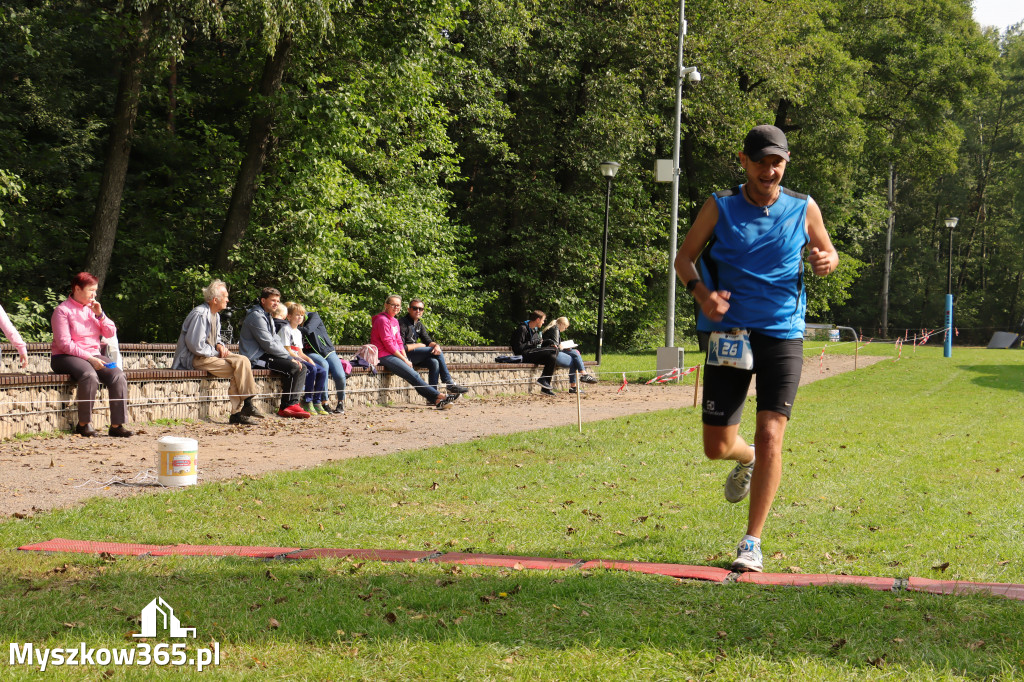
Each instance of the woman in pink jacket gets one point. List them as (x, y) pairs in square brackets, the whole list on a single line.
[(78, 324), (386, 335), (13, 337)]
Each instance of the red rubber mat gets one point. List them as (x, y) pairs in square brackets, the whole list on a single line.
[(504, 561), (958, 587), (816, 579), (708, 573), (87, 547), (364, 554), (223, 550), (711, 573)]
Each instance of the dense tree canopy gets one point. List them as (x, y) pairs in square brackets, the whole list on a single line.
[(343, 150)]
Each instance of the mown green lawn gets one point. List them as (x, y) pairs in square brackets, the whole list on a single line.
[(905, 468)]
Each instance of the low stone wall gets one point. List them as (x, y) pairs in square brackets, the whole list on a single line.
[(36, 403), (161, 355)]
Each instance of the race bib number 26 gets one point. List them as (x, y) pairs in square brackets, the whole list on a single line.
[(731, 349)]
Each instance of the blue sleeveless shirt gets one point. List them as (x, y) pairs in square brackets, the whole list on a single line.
[(759, 259)]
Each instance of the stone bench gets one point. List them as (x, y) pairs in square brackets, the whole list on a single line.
[(37, 402)]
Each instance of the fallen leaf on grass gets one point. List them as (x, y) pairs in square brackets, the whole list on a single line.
[(974, 646), (273, 623), (941, 567), (721, 634), (794, 569), (390, 618), (839, 644)]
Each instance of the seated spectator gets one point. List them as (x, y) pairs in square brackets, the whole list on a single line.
[(386, 335), (14, 337), (527, 342), (260, 343), (568, 357), (78, 323), (200, 346), (316, 375), (318, 346), (423, 351)]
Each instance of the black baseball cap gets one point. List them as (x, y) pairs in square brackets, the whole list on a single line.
[(764, 140)]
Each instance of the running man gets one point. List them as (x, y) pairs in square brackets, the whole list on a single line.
[(748, 243)]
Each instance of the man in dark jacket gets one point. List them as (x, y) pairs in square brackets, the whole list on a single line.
[(527, 341), (423, 351), (261, 344)]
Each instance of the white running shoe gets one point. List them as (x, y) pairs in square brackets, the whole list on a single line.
[(737, 483), (748, 557)]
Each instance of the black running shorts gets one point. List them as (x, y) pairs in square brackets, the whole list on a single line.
[(777, 364)]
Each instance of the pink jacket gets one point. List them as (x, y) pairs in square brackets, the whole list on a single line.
[(386, 335), (76, 331), (11, 333)]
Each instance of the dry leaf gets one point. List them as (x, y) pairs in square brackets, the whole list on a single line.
[(390, 618), (721, 634), (941, 567), (273, 623)]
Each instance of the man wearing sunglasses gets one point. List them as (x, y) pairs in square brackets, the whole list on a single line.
[(423, 351)]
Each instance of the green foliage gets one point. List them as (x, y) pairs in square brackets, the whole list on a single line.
[(450, 150), (32, 318)]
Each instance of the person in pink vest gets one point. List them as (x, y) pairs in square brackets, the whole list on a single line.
[(13, 337), (78, 323)]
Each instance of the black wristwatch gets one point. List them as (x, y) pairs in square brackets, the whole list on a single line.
[(692, 284)]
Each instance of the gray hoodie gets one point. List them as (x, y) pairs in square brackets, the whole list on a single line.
[(195, 337), (259, 337)]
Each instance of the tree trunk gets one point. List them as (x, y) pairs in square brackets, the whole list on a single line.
[(255, 156), (119, 147)]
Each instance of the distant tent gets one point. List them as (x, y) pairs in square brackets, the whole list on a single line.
[(1003, 340)]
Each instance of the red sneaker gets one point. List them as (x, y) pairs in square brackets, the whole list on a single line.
[(297, 412)]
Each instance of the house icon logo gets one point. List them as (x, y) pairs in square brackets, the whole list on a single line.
[(159, 613)]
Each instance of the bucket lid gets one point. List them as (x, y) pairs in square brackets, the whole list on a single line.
[(178, 441)]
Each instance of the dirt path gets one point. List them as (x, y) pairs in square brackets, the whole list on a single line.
[(48, 473)]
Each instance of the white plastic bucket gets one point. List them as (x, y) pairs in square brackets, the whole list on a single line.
[(177, 462)]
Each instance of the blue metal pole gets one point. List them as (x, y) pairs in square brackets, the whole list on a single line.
[(947, 351)]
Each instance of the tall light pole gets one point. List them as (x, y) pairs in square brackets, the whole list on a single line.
[(692, 74), (947, 350), (608, 170)]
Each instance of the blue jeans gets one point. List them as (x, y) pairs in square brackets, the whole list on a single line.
[(436, 367), (332, 364), (316, 380), (397, 366), (571, 360)]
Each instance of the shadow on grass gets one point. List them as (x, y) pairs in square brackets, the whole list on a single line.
[(1002, 377), (456, 616)]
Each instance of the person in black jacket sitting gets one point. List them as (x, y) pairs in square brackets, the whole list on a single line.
[(527, 342), (423, 351)]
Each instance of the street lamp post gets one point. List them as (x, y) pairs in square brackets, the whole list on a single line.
[(947, 350), (608, 170)]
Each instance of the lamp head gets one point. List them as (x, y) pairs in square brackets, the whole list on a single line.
[(951, 222), (609, 168)]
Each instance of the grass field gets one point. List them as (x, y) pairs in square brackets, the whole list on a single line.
[(905, 468)]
